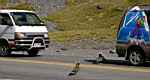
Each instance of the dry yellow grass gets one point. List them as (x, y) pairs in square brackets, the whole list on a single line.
[(90, 19)]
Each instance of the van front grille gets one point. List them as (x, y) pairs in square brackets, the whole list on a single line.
[(29, 40), (32, 36)]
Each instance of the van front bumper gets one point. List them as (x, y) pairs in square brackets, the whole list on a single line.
[(36, 42)]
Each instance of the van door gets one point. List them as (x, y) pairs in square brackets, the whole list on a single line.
[(6, 26)]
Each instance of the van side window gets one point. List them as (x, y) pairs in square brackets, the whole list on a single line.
[(131, 19), (5, 19)]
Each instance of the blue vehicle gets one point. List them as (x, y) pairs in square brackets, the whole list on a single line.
[(133, 36)]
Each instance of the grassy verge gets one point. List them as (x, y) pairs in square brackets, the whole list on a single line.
[(70, 36)]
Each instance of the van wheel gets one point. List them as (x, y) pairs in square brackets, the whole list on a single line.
[(4, 50), (136, 58), (33, 52)]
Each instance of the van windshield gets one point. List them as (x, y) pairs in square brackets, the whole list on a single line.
[(148, 16), (26, 19)]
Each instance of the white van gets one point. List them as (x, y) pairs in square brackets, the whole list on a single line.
[(22, 30)]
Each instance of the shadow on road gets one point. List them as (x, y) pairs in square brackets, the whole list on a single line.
[(21, 55), (116, 62)]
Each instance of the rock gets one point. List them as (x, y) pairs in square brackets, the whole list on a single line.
[(98, 7), (57, 50), (63, 49)]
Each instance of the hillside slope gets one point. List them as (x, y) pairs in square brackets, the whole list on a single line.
[(90, 19), (42, 7)]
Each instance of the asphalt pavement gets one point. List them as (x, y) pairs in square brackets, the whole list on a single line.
[(56, 65)]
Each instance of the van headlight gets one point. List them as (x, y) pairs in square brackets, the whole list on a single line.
[(46, 35), (22, 35), (19, 35)]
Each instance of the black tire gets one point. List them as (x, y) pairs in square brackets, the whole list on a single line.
[(4, 49), (136, 58), (33, 52)]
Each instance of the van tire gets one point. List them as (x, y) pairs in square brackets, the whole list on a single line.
[(136, 58), (33, 52), (4, 49)]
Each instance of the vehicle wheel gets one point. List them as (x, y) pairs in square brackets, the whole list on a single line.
[(136, 58), (33, 52), (4, 50)]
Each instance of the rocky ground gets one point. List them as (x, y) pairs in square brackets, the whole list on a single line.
[(83, 44), (42, 7)]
